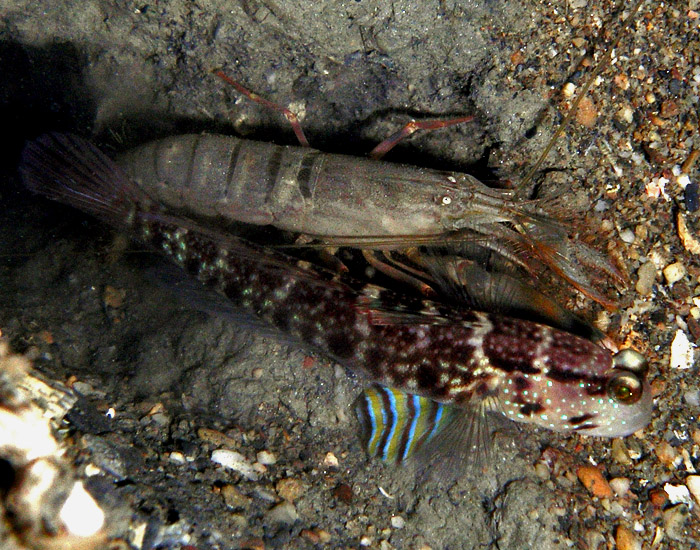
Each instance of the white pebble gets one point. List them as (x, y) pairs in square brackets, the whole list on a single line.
[(693, 484), (81, 514), (397, 522), (620, 485), (284, 513), (674, 272), (568, 89), (236, 462), (330, 461), (692, 398), (627, 235), (682, 351), (626, 114), (266, 458), (678, 494), (177, 457)]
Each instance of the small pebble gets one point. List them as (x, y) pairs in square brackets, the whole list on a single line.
[(669, 109), (592, 539), (620, 485), (266, 457), (674, 272), (621, 81), (343, 492), (83, 388), (601, 206), (284, 513), (316, 535), (177, 457), (626, 114), (234, 499), (253, 543), (330, 461), (682, 351), (366, 541), (568, 89), (587, 114), (690, 242), (592, 479), (620, 453), (658, 498), (161, 419), (692, 397), (678, 494), (290, 489), (236, 462), (626, 539), (674, 521), (646, 276), (397, 522), (691, 196), (667, 454), (92, 470), (542, 470), (627, 236), (693, 484)]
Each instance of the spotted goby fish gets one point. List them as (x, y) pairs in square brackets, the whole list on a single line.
[(453, 356)]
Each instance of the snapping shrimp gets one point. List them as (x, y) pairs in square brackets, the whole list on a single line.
[(343, 200)]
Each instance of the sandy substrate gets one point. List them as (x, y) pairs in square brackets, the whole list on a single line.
[(163, 385)]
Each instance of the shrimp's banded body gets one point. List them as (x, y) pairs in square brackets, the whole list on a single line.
[(307, 191), (341, 199)]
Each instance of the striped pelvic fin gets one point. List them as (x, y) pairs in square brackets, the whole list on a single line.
[(395, 424)]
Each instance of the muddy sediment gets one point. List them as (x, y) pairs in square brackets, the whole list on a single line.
[(162, 385)]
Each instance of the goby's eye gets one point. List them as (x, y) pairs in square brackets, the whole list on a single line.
[(625, 388)]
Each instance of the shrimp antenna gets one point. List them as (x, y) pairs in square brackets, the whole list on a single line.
[(574, 106)]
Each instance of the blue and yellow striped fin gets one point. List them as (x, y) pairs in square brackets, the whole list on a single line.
[(394, 424)]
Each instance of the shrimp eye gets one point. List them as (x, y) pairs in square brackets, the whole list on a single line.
[(625, 388)]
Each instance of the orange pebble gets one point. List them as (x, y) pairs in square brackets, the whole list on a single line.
[(587, 113), (626, 539), (658, 498), (593, 480)]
